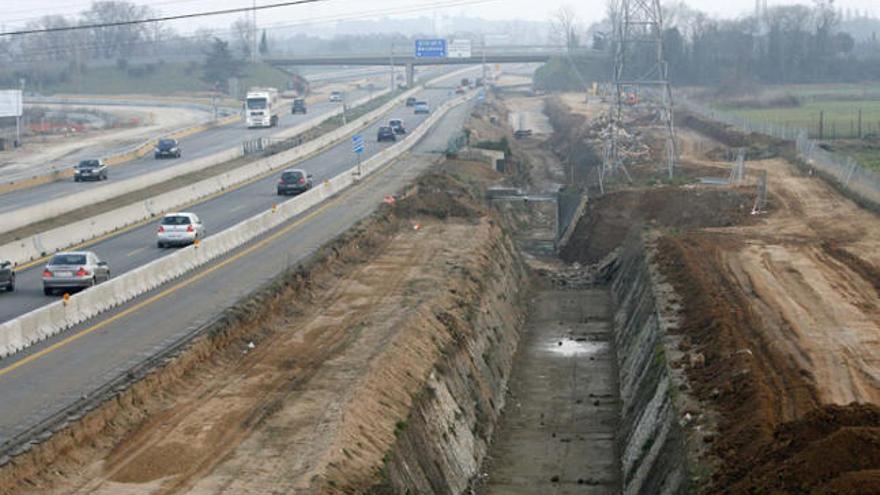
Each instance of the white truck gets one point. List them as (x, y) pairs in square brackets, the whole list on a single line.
[(261, 107)]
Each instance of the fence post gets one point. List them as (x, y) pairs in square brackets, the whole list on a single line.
[(860, 124)]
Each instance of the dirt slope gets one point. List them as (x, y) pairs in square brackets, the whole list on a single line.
[(311, 400), (786, 311)]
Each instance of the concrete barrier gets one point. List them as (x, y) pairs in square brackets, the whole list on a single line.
[(42, 244), (28, 329), (36, 213)]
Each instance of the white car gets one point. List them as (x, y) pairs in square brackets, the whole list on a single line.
[(336, 96), (179, 229)]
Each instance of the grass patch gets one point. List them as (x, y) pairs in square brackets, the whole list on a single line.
[(841, 116), (158, 79)]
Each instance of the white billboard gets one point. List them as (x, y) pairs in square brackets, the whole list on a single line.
[(459, 49), (10, 103)]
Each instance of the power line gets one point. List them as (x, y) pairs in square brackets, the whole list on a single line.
[(317, 21), (73, 9), (160, 19)]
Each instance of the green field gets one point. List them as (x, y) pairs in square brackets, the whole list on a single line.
[(157, 79), (841, 117)]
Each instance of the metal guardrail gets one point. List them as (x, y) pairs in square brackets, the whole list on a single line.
[(851, 176)]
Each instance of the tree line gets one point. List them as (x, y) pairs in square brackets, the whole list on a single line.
[(784, 44)]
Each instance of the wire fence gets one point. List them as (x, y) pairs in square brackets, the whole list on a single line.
[(860, 181)]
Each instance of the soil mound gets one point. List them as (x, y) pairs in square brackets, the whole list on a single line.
[(611, 218), (834, 449), (440, 196)]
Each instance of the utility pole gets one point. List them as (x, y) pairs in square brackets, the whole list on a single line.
[(484, 59), (391, 58), (254, 33), (17, 142), (638, 30)]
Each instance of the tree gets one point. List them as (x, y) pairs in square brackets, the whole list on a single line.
[(220, 65), (116, 41), (243, 33), (264, 44), (564, 27)]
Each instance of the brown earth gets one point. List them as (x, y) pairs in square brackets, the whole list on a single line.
[(786, 311), (306, 392), (610, 218), (785, 308)]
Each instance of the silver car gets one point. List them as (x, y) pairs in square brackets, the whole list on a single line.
[(179, 229), (74, 270)]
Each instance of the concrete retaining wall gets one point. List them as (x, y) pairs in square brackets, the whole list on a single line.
[(651, 442), (35, 326), (451, 423)]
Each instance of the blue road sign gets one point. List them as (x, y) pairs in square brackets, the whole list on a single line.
[(433, 48), (357, 143)]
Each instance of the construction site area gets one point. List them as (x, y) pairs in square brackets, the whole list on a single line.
[(711, 333)]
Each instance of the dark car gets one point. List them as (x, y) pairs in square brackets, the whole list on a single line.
[(90, 170), (397, 126), (299, 106), (167, 148), (294, 181), (411, 101), (386, 133), (7, 276)]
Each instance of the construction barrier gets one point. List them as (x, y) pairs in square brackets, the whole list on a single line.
[(28, 329)]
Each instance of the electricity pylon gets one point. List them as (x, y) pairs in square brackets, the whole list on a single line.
[(638, 64)]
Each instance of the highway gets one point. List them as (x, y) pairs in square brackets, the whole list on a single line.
[(48, 377), (136, 246), (195, 146)]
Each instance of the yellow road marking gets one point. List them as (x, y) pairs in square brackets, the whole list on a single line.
[(198, 276), (132, 253)]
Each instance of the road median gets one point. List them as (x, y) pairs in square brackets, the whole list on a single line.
[(33, 327)]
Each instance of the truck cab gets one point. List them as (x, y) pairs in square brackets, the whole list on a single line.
[(261, 106)]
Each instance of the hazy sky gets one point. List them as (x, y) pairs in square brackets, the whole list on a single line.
[(16, 12)]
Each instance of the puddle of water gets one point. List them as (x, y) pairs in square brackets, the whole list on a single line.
[(572, 348)]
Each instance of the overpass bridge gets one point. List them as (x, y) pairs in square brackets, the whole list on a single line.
[(494, 55)]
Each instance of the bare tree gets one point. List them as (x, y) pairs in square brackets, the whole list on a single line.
[(565, 25), (57, 45), (116, 41), (243, 34)]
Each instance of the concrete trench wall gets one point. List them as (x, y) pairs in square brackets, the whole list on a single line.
[(651, 442), (452, 421)]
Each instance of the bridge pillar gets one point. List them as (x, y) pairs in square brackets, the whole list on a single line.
[(410, 75)]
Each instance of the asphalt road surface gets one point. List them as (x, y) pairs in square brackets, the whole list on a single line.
[(52, 375), (135, 247), (195, 146)]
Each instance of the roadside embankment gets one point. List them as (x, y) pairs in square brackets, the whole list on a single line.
[(382, 363)]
